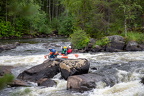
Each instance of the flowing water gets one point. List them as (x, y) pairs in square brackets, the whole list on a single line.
[(31, 52)]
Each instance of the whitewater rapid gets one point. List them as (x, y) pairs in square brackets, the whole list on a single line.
[(28, 55)]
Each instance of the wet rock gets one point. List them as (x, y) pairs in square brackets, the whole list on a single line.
[(116, 44), (18, 83), (47, 69), (97, 48), (108, 75), (141, 46), (5, 70), (142, 80), (133, 46), (74, 67), (9, 46), (46, 82), (89, 81), (81, 83)]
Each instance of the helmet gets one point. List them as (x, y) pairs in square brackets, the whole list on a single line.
[(64, 47), (69, 46), (52, 50)]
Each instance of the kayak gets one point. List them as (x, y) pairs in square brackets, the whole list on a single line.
[(70, 56)]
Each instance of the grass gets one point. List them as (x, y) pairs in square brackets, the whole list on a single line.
[(135, 36)]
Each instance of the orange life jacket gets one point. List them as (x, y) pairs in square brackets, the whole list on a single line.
[(52, 53)]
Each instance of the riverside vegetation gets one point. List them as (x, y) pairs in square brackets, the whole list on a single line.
[(96, 18)]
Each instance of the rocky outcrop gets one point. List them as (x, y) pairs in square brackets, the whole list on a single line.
[(109, 75), (9, 46), (82, 83), (5, 70), (74, 67), (47, 69), (116, 44), (133, 46)]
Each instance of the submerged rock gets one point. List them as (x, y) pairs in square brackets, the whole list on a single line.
[(8, 46), (46, 82)]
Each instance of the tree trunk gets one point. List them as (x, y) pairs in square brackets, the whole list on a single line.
[(50, 10), (125, 22), (53, 9), (6, 10), (56, 11)]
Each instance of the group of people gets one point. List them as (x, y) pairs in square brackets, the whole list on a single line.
[(53, 53)]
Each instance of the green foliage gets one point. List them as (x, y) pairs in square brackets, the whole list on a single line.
[(22, 92), (5, 80), (98, 18), (66, 25), (135, 36), (79, 39), (103, 41), (29, 17), (7, 30)]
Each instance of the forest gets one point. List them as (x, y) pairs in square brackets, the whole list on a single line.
[(92, 18)]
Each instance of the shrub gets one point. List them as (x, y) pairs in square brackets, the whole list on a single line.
[(7, 30), (5, 80), (79, 39), (102, 42), (135, 36)]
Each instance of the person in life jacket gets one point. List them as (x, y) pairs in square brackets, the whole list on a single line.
[(53, 53), (64, 51), (69, 50)]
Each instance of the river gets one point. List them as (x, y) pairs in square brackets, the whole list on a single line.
[(31, 52)]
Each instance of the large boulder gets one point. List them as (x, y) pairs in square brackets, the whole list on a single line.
[(108, 75), (89, 81), (74, 67), (116, 44), (133, 46), (81, 83), (48, 69)]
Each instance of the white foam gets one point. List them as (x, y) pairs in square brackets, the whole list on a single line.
[(133, 88)]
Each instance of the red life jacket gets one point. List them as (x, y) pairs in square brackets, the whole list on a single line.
[(69, 51)]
